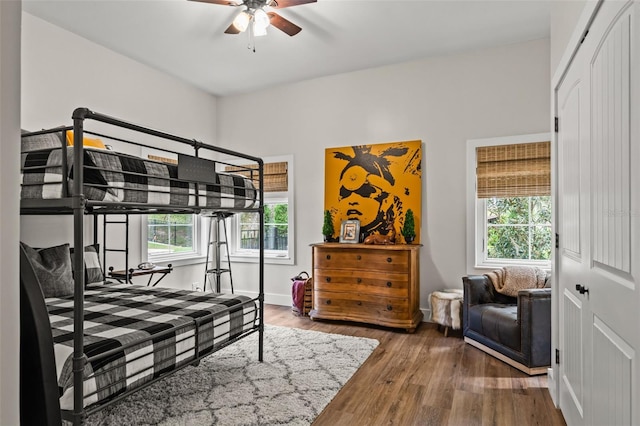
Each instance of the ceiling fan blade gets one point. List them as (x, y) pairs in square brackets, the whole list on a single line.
[(283, 24), (281, 4), (221, 2), (232, 30)]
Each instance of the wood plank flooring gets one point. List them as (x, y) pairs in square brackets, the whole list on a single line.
[(428, 379)]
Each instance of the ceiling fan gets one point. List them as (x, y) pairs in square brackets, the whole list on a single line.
[(257, 19)]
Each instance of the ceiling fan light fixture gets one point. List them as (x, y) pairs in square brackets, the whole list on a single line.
[(241, 21), (261, 20), (258, 30)]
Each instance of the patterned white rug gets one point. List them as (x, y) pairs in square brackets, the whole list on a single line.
[(301, 373)]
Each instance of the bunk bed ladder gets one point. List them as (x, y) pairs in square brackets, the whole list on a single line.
[(106, 221), (217, 240)]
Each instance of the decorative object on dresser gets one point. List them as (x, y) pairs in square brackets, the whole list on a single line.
[(408, 227), (375, 284), (350, 231), (388, 238), (327, 227)]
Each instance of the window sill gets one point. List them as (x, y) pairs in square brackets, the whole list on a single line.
[(495, 265), (179, 261), (284, 260)]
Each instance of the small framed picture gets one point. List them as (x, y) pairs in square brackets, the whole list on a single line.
[(350, 231)]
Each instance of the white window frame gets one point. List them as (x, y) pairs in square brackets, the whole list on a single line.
[(477, 208), (271, 257), (178, 259)]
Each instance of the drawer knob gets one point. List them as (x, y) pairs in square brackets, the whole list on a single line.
[(359, 257), (359, 303), (389, 307), (389, 284), (389, 259), (359, 280), (328, 302), (328, 279), (328, 257)]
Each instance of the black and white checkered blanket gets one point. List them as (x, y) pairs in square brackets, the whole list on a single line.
[(116, 177), (133, 334)]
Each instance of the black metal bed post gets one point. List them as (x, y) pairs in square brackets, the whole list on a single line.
[(78, 206), (261, 260)]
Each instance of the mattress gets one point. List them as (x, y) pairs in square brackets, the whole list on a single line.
[(133, 334), (121, 178)]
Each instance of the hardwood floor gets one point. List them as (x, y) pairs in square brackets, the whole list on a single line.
[(428, 379)]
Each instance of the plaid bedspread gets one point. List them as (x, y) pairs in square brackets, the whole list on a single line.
[(133, 334), (116, 177)]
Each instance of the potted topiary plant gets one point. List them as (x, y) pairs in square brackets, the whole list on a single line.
[(327, 226), (408, 230)]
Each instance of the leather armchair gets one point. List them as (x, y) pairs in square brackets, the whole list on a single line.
[(516, 330)]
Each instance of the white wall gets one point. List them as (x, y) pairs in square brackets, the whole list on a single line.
[(61, 71), (9, 204), (564, 17), (442, 101)]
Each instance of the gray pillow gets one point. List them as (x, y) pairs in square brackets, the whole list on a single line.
[(52, 267)]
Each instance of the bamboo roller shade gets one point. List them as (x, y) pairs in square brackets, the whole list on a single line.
[(517, 170), (276, 177), (162, 159)]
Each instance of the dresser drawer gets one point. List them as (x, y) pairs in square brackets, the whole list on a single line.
[(357, 306), (391, 284), (361, 259)]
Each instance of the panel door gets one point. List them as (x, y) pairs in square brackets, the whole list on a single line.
[(614, 232), (573, 250), (599, 223)]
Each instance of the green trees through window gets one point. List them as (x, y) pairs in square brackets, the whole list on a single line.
[(170, 233), (276, 228), (519, 228)]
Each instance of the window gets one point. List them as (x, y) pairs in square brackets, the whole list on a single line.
[(517, 228), (278, 218), (276, 230), (509, 199), (171, 235)]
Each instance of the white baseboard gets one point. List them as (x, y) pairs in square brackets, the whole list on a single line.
[(551, 385), (426, 315)]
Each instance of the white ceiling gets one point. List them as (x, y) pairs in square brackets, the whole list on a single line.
[(186, 38)]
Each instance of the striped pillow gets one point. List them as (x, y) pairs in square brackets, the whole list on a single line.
[(93, 270)]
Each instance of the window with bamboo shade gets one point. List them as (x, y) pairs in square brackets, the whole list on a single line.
[(515, 170), (276, 176)]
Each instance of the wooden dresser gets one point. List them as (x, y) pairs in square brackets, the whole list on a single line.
[(376, 284)]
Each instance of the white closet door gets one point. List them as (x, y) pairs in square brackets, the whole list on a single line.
[(573, 250), (614, 266), (599, 223)]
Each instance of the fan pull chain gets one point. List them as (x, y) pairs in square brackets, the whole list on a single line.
[(252, 40)]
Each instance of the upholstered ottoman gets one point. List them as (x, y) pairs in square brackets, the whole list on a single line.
[(446, 309)]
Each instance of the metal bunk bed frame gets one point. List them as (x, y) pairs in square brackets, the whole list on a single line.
[(76, 204)]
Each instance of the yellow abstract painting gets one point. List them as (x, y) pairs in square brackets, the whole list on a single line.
[(375, 184)]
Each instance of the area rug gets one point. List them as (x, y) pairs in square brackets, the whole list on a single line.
[(301, 373)]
